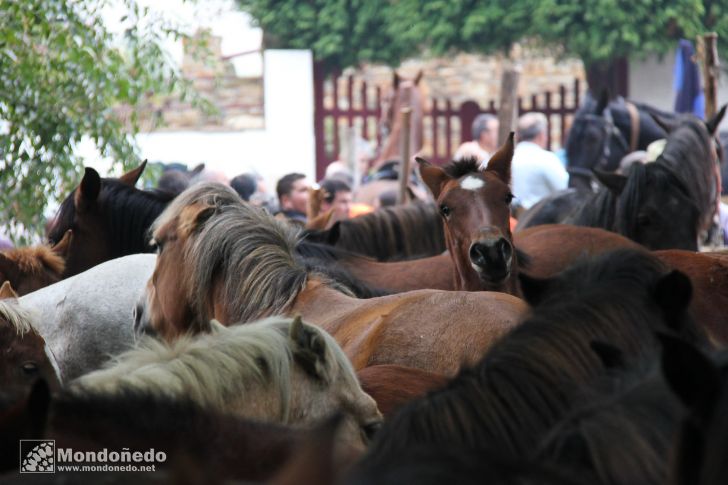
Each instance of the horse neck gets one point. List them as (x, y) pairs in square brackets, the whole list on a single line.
[(392, 148), (318, 303)]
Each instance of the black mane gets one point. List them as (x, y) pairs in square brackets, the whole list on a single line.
[(460, 168)]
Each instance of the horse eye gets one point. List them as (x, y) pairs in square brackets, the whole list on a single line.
[(445, 210), (509, 198), (30, 368), (371, 429), (155, 245)]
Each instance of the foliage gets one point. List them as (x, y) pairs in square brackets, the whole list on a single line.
[(63, 76), (341, 33), (592, 30)]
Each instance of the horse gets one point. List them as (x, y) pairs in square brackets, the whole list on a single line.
[(221, 258), (392, 233), (31, 268), (87, 318), (603, 132), (279, 370), (201, 445), (630, 405), (404, 93), (475, 207), (529, 379), (701, 384), (25, 356), (665, 204), (392, 386), (105, 218)]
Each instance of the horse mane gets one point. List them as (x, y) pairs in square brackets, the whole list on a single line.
[(394, 233), (460, 168), (17, 316), (527, 380), (128, 213), (632, 407), (34, 259), (212, 369)]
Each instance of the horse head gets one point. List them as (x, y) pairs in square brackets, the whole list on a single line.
[(475, 207)]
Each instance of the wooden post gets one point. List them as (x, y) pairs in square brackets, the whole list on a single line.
[(405, 151), (508, 109), (352, 157), (711, 69)]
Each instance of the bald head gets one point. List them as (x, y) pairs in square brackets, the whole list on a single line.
[(533, 127)]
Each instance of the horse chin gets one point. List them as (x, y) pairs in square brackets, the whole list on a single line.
[(490, 279)]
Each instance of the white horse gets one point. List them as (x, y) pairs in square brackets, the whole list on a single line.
[(276, 370), (88, 318)]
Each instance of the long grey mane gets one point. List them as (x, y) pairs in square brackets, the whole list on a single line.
[(18, 317), (251, 252)]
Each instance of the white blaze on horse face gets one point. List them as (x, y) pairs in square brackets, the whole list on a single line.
[(472, 183)]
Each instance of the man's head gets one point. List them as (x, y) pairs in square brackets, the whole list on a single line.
[(533, 127), (293, 192), (338, 196), (245, 185), (485, 132)]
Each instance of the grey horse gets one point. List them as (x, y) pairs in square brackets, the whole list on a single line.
[(88, 318)]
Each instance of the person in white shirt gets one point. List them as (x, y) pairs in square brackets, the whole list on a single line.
[(485, 139), (536, 171)]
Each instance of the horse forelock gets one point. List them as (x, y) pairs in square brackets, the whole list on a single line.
[(18, 317), (216, 368), (461, 168)]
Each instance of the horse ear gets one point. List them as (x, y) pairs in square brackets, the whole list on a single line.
[(88, 191), (611, 356), (197, 170), (603, 101), (689, 373), (61, 247), (615, 182), (309, 348), (192, 216), (8, 269), (534, 289), (395, 80), (672, 294), (6, 291), (418, 77), (666, 125), (131, 177), (712, 124), (434, 177), (500, 162)]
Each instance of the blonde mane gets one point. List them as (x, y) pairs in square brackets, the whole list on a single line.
[(213, 369), (17, 316), (251, 251)]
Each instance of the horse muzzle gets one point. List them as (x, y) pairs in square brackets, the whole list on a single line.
[(491, 258)]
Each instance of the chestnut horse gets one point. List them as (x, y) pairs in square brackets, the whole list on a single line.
[(475, 207), (220, 258), (32, 268), (25, 357)]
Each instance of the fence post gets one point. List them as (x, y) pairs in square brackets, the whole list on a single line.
[(468, 111), (318, 118), (405, 163), (508, 109)]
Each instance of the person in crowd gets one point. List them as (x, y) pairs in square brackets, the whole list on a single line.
[(338, 196), (245, 185), (536, 171), (485, 139), (292, 192)]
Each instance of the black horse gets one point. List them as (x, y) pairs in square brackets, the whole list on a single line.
[(667, 204), (603, 132)]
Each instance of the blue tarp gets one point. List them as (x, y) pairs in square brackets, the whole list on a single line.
[(689, 96)]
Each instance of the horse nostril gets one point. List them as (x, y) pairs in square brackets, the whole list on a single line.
[(479, 254), (504, 249)]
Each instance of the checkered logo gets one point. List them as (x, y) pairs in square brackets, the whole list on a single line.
[(37, 456)]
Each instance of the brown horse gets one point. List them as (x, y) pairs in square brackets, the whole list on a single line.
[(392, 386), (475, 207), (105, 218), (32, 268), (220, 258), (404, 93), (24, 357)]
